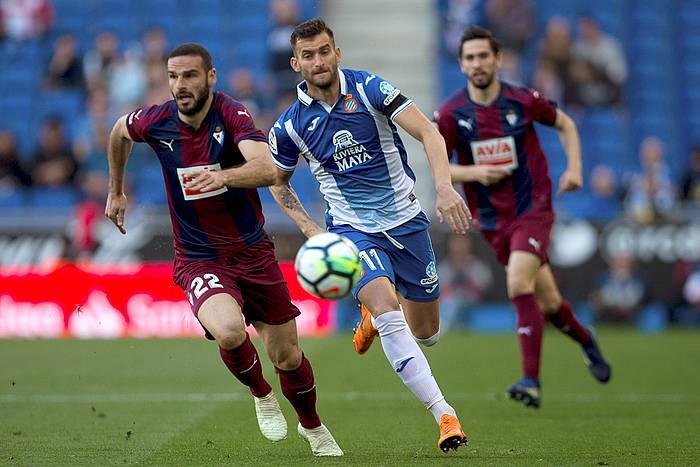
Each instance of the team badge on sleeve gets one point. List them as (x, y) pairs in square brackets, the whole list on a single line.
[(272, 141)]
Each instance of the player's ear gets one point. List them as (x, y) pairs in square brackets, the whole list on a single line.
[(212, 77), (294, 64)]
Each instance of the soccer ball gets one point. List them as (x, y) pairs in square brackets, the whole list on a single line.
[(328, 265)]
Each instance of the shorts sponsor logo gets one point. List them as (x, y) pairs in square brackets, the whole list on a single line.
[(534, 243), (500, 152)]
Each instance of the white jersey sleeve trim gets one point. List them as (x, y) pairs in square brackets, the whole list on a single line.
[(401, 108)]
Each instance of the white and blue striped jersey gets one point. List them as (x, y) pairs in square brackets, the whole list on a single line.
[(353, 149)]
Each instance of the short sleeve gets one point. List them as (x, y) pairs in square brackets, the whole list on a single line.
[(139, 122), (447, 127), (241, 124), (542, 109), (384, 97), (285, 153)]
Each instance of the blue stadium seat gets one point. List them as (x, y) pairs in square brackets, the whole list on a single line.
[(12, 198), (53, 197)]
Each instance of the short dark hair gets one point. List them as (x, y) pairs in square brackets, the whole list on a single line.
[(310, 28), (193, 49), (477, 32)]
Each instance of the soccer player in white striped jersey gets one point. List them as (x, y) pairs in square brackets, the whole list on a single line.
[(344, 125)]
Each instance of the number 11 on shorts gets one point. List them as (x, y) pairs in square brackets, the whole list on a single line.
[(367, 258)]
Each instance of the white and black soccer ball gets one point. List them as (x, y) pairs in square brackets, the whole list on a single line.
[(328, 265)]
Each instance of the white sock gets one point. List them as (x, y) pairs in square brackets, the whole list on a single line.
[(409, 363)]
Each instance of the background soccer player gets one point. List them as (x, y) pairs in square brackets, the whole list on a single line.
[(489, 124), (343, 125), (213, 158)]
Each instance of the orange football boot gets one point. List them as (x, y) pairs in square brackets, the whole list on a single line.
[(451, 434), (364, 332)]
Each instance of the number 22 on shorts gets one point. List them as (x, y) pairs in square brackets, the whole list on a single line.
[(199, 288)]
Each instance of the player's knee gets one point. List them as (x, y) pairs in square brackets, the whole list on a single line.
[(286, 357), (519, 286), (382, 305), (228, 337), (427, 339)]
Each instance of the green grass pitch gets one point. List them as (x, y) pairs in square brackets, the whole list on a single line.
[(172, 402)]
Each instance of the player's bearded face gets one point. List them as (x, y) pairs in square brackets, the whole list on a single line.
[(191, 101), (317, 60), (190, 83), (479, 62)]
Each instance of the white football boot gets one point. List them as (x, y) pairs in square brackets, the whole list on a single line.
[(271, 420), (321, 441)]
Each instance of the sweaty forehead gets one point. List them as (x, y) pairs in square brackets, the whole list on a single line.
[(185, 63)]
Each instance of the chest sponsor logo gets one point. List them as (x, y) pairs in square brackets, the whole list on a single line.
[(348, 152), (497, 151), (350, 104), (185, 175), (219, 135)]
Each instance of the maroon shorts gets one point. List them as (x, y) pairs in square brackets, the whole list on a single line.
[(252, 276), (530, 232)]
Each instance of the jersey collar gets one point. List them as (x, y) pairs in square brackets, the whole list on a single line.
[(307, 100)]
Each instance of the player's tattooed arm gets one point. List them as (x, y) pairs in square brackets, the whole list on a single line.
[(288, 200), (120, 144)]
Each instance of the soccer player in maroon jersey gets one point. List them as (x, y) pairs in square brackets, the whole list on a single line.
[(213, 157), (489, 125)]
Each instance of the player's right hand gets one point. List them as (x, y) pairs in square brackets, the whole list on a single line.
[(115, 210), (489, 175)]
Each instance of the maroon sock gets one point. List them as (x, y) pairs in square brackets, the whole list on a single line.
[(565, 320), (299, 387), (530, 326), (244, 363)]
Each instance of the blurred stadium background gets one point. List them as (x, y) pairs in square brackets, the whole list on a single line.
[(627, 247)]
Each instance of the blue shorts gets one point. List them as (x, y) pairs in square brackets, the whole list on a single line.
[(404, 254)]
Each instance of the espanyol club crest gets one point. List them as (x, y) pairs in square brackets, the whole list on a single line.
[(511, 117), (350, 104)]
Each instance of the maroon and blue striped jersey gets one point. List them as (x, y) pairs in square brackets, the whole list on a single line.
[(501, 134), (206, 225)]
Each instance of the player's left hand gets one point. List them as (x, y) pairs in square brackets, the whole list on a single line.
[(570, 180), (450, 205), (206, 180)]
